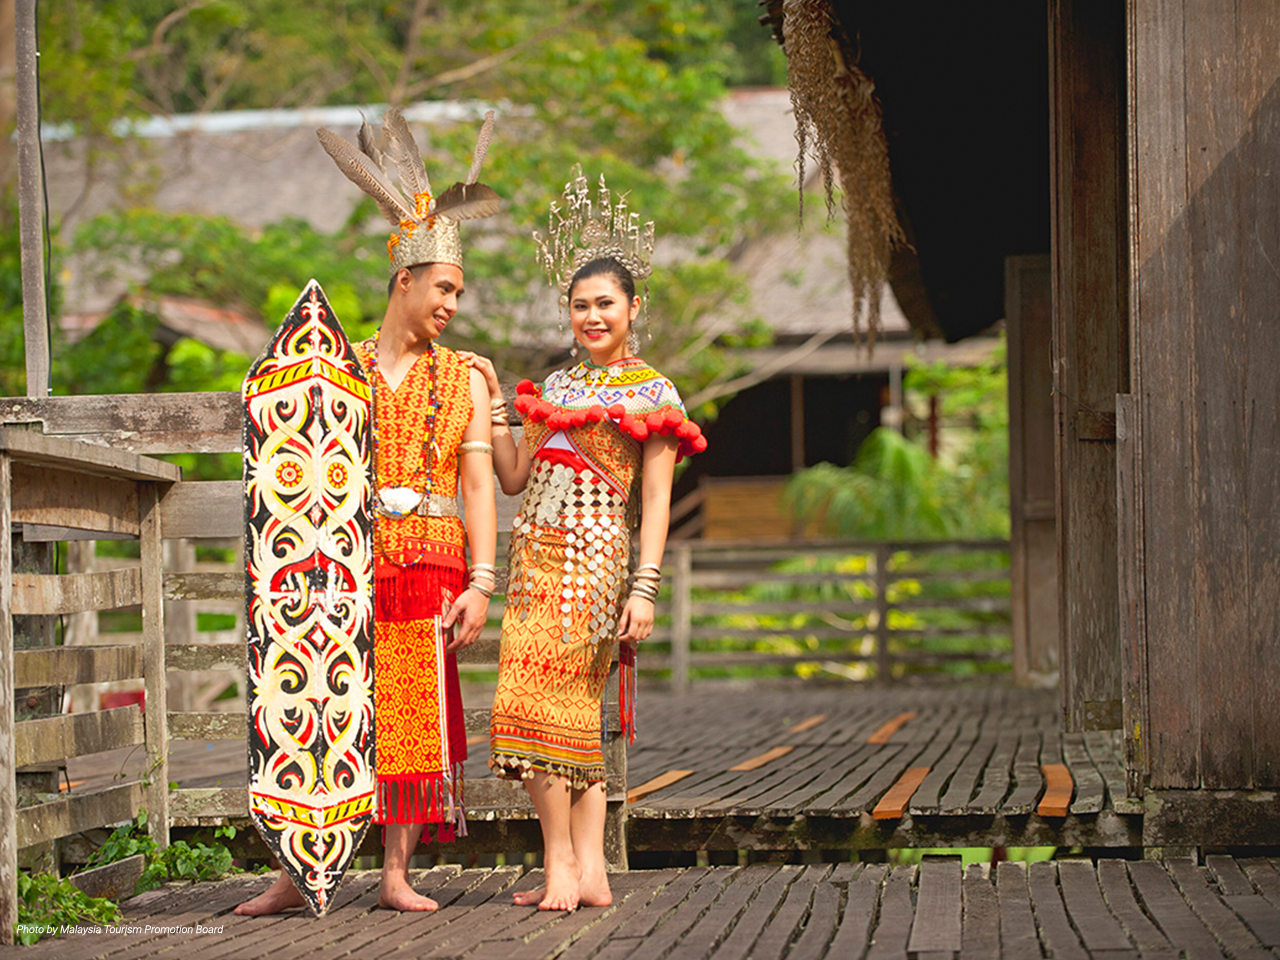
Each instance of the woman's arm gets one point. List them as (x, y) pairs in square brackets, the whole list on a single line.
[(511, 460), (471, 608), (657, 466)]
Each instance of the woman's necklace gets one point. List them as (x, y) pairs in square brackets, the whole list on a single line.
[(399, 502)]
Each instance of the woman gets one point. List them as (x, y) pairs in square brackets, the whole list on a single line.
[(601, 440)]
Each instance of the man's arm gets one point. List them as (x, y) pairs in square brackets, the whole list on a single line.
[(471, 609)]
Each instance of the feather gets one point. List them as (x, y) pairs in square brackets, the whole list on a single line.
[(482, 148), (364, 173), (403, 151), (467, 201), (368, 146)]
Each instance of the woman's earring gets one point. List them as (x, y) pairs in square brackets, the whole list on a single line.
[(573, 348), (633, 341)]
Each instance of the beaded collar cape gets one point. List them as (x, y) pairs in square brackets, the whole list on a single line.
[(628, 392)]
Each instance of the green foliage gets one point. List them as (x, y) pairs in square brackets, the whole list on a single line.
[(637, 101), (46, 902), (895, 489), (178, 861)]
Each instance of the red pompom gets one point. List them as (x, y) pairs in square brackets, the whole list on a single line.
[(654, 422), (525, 387), (524, 404), (639, 430), (699, 443), (674, 418), (626, 423), (557, 421), (694, 429), (579, 418), (685, 430), (617, 411), (596, 413)]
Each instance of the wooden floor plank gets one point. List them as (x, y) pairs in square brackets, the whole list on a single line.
[(821, 924), (1056, 933), (1264, 876), (659, 782), (636, 917), (809, 723), (1058, 786), (714, 925), (926, 799), (980, 929), (895, 800), (893, 927), (662, 940), (755, 763), (996, 778), (1121, 900), (1082, 895), (1018, 937), (1027, 778), (936, 926), (861, 905), (890, 727), (786, 921), (964, 782), (1165, 905), (738, 945), (1226, 927), (1090, 789), (1230, 877)]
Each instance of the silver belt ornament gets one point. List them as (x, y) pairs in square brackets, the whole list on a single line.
[(398, 502)]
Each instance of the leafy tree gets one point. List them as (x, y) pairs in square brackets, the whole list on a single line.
[(896, 490), (637, 101)]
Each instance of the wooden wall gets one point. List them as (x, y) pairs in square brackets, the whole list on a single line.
[(1090, 325), (1202, 631)]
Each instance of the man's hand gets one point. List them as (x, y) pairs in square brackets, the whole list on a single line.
[(636, 622), (468, 615)]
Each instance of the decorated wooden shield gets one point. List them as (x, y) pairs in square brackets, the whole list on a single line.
[(309, 597)]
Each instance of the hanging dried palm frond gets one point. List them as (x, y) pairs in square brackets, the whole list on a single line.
[(838, 125)]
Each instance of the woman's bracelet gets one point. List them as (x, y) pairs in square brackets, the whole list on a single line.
[(476, 446), (498, 411), (647, 590), (484, 591)]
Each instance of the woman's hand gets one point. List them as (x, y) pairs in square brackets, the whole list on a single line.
[(636, 622), (485, 366), (468, 614)]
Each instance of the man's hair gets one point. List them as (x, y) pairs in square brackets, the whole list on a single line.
[(415, 270)]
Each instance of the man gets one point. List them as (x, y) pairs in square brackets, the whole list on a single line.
[(431, 425)]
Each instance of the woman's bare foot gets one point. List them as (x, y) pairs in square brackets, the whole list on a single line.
[(563, 882), (281, 895), (592, 892), (398, 895)]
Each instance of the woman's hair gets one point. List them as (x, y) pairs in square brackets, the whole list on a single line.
[(606, 267)]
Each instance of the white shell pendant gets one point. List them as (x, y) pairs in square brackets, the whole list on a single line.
[(397, 502)]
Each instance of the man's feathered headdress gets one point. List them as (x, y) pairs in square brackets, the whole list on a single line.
[(427, 225)]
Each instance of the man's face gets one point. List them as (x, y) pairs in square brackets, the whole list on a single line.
[(432, 296)]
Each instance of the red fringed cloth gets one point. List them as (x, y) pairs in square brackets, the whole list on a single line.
[(421, 740)]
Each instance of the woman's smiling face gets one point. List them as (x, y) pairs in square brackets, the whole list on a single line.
[(601, 316)]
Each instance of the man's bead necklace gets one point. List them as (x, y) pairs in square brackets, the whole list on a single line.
[(426, 463)]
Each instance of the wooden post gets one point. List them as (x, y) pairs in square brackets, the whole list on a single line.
[(180, 624), (1133, 627), (681, 615), (152, 550), (35, 319), (1033, 546), (615, 824), (8, 754), (884, 668)]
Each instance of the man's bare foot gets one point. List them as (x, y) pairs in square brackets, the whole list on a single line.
[(281, 895), (398, 895)]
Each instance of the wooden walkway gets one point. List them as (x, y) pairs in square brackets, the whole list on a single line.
[(849, 911), (823, 767)]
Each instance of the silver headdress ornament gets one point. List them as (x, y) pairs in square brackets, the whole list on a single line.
[(427, 226), (583, 231)]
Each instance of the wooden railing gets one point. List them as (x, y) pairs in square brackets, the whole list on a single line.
[(853, 609)]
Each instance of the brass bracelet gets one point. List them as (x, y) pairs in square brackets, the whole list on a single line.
[(476, 446), (486, 592)]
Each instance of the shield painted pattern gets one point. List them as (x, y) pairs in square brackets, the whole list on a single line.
[(309, 597)]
